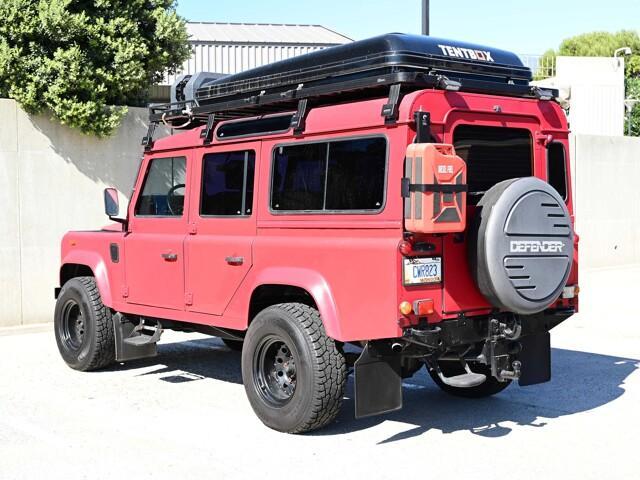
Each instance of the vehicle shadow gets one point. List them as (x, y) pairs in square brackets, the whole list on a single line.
[(190, 360), (581, 381)]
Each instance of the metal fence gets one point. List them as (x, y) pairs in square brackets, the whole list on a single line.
[(541, 66)]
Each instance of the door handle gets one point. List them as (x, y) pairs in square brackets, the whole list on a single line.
[(170, 257), (234, 260)]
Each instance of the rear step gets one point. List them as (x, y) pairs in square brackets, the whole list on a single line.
[(144, 334), (464, 380), (135, 341)]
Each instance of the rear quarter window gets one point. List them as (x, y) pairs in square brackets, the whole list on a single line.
[(557, 168), (334, 176)]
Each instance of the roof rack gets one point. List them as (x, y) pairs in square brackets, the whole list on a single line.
[(385, 66)]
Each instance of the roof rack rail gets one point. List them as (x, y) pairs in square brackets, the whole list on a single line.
[(385, 66)]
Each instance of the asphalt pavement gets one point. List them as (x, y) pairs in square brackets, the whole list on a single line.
[(184, 414)]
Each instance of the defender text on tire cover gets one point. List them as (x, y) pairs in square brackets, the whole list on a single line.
[(523, 247)]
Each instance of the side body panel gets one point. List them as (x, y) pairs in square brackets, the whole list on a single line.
[(346, 261), (92, 249)]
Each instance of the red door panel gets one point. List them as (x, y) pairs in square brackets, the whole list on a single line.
[(222, 225), (460, 292), (155, 269), (154, 245), (217, 265)]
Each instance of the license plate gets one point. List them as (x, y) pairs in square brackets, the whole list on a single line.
[(420, 271)]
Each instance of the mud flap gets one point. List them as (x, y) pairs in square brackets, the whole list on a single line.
[(535, 357), (127, 348), (378, 382)]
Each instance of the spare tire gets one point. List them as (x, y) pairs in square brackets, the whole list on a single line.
[(521, 245)]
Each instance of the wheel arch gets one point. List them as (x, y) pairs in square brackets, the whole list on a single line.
[(79, 264), (281, 285)]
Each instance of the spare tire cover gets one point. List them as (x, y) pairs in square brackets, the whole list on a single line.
[(521, 245)]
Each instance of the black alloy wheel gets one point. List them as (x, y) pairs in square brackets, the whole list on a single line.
[(72, 325), (274, 371)]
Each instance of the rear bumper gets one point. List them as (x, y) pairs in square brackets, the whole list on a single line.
[(470, 330), (511, 346)]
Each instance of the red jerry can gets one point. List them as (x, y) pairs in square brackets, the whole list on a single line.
[(435, 189)]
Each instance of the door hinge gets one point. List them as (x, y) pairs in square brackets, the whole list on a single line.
[(544, 138), (193, 228), (188, 299), (125, 292)]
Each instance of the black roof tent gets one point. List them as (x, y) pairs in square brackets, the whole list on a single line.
[(384, 66), (389, 53)]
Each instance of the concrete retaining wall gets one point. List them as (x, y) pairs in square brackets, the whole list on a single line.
[(51, 181), (607, 199)]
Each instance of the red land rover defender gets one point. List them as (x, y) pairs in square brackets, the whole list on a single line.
[(406, 195)]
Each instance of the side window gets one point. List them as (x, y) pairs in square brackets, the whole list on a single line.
[(298, 177), (163, 190), (227, 184), (556, 168), (345, 175)]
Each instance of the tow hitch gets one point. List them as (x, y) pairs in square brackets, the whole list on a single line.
[(498, 349), (514, 347)]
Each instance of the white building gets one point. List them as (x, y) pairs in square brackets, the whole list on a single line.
[(234, 47), (593, 88)]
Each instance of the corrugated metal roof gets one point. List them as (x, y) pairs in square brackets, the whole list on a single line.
[(263, 33)]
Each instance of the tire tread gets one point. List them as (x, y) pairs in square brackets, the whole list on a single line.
[(104, 352)]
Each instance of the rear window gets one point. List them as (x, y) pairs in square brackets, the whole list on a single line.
[(345, 175), (493, 154)]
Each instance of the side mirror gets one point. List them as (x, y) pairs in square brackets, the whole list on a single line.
[(111, 204)]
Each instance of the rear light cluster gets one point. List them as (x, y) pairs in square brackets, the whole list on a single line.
[(405, 247), (420, 308), (410, 247), (570, 291)]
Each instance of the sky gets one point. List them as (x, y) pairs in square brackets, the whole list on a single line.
[(525, 27)]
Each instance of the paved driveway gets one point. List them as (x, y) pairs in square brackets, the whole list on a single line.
[(184, 414)]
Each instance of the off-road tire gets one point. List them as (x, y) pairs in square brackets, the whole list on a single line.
[(94, 347), (491, 385), (235, 345), (320, 369)]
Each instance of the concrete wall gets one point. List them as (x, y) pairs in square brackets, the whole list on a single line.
[(606, 173), (51, 181)]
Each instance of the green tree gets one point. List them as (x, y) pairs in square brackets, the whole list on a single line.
[(633, 91), (85, 60), (604, 44)]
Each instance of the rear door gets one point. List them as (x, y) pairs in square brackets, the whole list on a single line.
[(154, 246), (495, 148), (222, 225)]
